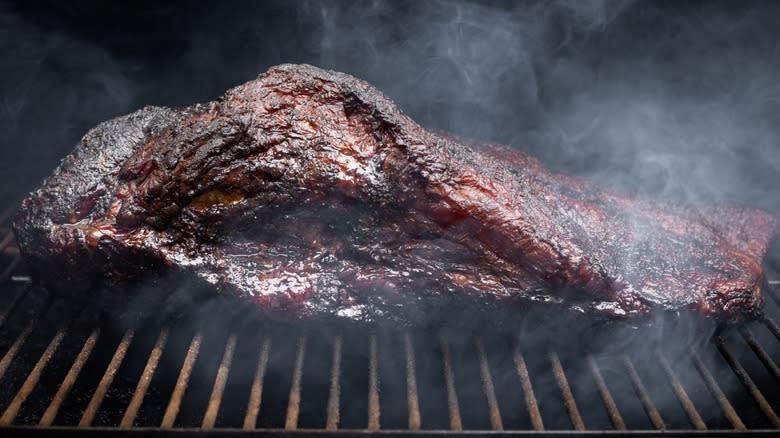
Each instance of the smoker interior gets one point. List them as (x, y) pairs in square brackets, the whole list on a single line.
[(176, 360)]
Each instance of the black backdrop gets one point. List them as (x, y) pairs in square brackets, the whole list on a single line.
[(676, 99)]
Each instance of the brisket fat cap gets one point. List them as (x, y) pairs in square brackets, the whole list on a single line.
[(308, 191)]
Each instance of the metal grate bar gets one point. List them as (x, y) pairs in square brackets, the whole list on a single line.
[(606, 396), (528, 391), (712, 385), (766, 408), (373, 386), (13, 350), (107, 379), (770, 365), (489, 389), (9, 355), (32, 379), (334, 393), (568, 397), (210, 418), (146, 378), (256, 393), (294, 403), (70, 379), (644, 396), (412, 400), (772, 326), (174, 404), (449, 378), (679, 391)]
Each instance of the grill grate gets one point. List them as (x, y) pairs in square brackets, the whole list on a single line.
[(221, 367)]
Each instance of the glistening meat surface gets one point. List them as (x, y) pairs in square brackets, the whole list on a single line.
[(308, 192)]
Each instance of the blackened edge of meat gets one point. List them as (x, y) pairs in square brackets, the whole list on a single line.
[(83, 184)]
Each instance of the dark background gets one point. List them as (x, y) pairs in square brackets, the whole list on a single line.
[(674, 99)]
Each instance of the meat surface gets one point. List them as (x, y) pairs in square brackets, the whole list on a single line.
[(308, 192)]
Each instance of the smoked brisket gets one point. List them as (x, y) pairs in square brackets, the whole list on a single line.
[(308, 192)]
